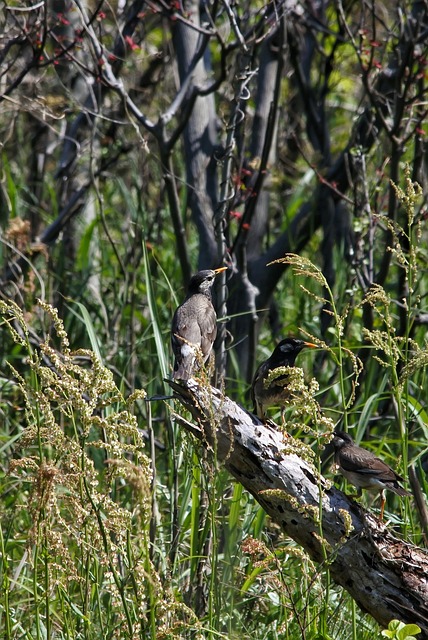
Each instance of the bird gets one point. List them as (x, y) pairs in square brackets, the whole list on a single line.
[(276, 392), (363, 469), (194, 325)]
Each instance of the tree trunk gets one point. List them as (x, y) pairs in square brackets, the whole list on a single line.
[(267, 98), (386, 576), (199, 137)]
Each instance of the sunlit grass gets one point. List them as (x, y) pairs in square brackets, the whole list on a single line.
[(115, 522)]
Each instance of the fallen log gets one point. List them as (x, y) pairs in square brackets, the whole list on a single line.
[(386, 576)]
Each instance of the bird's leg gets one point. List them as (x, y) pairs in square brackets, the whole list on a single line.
[(284, 430), (382, 503)]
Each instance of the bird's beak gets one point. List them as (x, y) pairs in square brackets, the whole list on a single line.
[(219, 270), (311, 345)]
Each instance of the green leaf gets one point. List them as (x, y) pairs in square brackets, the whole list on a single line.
[(406, 632), (83, 258), (397, 630), (161, 349), (395, 625), (85, 318)]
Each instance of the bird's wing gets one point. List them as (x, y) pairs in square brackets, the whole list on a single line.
[(194, 325), (365, 463), (186, 327), (186, 332), (207, 321)]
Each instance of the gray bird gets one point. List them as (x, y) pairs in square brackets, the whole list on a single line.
[(276, 393), (363, 469), (194, 325)]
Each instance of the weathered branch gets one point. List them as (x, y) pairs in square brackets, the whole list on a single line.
[(386, 576)]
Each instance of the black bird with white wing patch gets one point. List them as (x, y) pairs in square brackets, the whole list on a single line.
[(275, 394)]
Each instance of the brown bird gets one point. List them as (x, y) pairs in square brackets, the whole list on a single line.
[(276, 393), (363, 469), (194, 325)]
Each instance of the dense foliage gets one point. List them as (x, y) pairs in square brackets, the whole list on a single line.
[(140, 141)]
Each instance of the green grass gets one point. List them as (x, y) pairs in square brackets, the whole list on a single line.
[(114, 522)]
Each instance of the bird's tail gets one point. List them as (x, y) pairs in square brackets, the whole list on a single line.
[(399, 490), (182, 372)]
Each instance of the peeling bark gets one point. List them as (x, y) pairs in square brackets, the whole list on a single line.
[(387, 577)]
